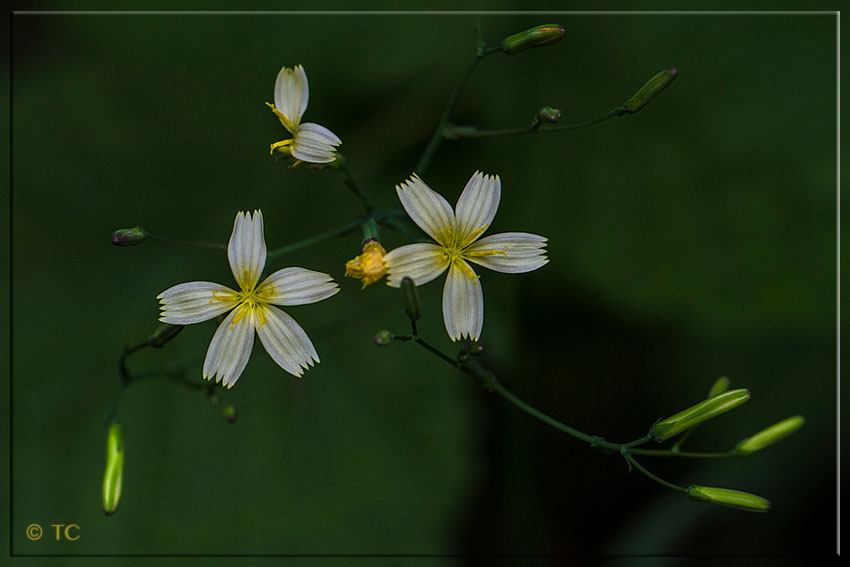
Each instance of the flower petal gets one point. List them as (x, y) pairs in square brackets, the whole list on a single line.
[(428, 209), (247, 249), (476, 207), (314, 144), (509, 252), (463, 302), (291, 95), (420, 262), (296, 286), (194, 302), (285, 341), (231, 347)]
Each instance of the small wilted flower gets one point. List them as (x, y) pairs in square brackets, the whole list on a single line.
[(458, 236), (252, 308), (310, 142), (369, 265)]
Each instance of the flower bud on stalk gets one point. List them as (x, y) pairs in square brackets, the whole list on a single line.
[(411, 299), (650, 90), (114, 473), (549, 115), (770, 435), (535, 37), (705, 410), (728, 497), (163, 333), (128, 236), (229, 414), (384, 338)]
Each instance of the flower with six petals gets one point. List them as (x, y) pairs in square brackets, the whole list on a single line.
[(457, 234), (310, 142), (251, 309)]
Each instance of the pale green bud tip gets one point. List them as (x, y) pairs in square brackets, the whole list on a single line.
[(770, 435), (128, 236), (114, 472), (694, 415), (720, 385), (650, 90), (229, 414), (539, 36), (411, 299), (163, 333), (384, 338), (728, 497), (549, 114)]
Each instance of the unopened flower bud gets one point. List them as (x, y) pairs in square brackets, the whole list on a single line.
[(650, 90), (411, 299), (535, 37), (163, 333), (549, 114), (770, 435), (114, 473), (694, 415), (229, 414), (728, 497), (475, 348), (384, 338), (720, 385), (128, 236), (369, 265)]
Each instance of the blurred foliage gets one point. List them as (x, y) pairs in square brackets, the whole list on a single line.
[(692, 240)]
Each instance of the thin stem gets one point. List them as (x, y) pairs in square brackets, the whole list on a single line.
[(423, 343), (453, 132), (352, 184), (674, 453), (651, 476), (437, 137), (339, 231), (589, 439), (187, 242)]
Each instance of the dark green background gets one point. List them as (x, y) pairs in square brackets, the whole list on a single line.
[(692, 240)]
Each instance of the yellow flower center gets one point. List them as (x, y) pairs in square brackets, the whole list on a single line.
[(456, 251)]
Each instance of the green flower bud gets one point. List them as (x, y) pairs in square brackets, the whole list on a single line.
[(728, 497), (720, 385), (384, 338), (770, 435), (411, 299), (128, 236), (694, 415), (163, 333), (228, 413), (535, 37), (650, 90), (475, 348), (114, 472), (548, 114)]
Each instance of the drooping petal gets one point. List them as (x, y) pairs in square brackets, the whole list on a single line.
[(463, 302), (285, 341), (427, 208), (247, 249), (509, 252), (194, 302), (476, 207), (291, 95), (421, 262), (314, 144), (231, 347), (296, 286)]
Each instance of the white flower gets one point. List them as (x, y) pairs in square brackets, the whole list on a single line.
[(457, 234), (251, 308), (310, 142)]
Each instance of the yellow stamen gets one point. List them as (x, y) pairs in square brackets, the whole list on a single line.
[(472, 237), (281, 147), (287, 123), (479, 253), (464, 267)]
